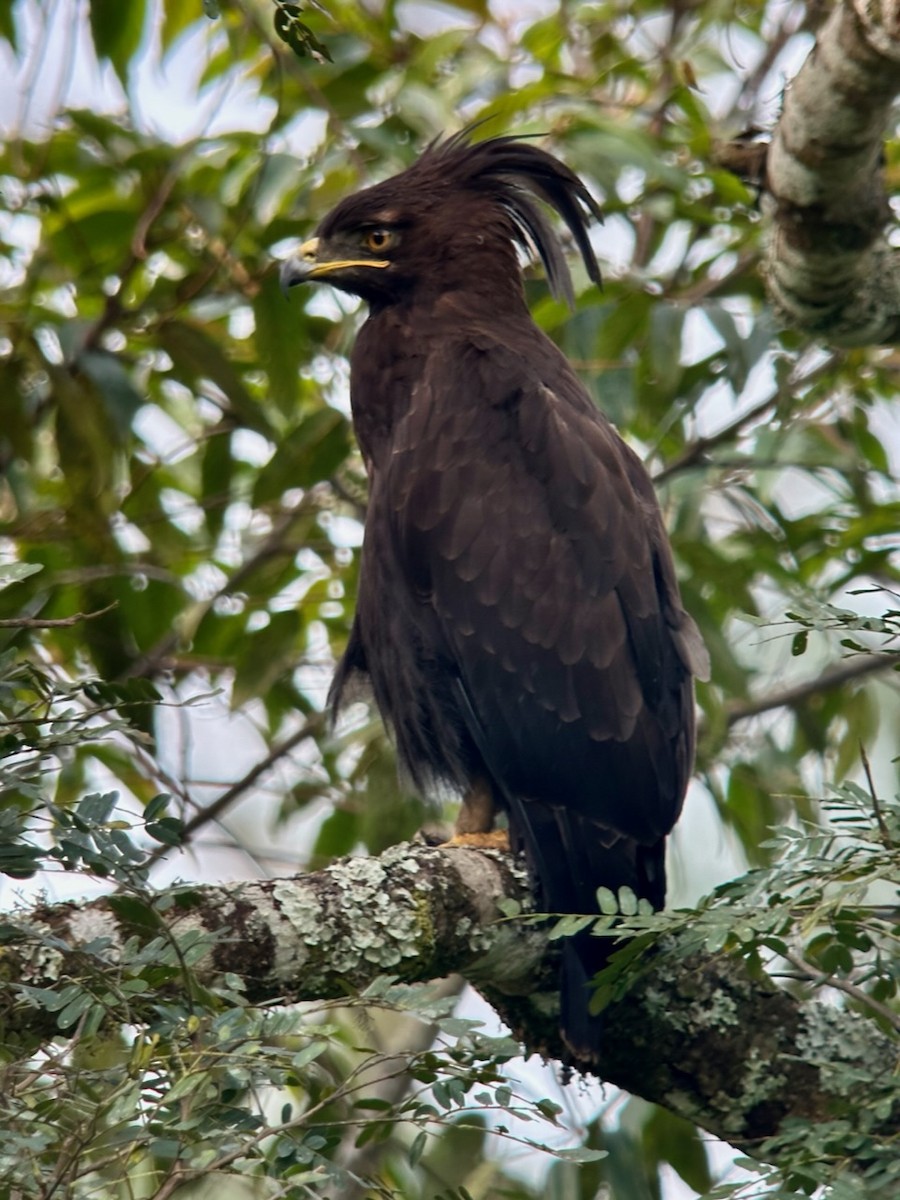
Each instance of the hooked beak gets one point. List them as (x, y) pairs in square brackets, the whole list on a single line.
[(305, 264)]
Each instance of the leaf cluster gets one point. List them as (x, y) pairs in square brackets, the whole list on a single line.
[(822, 920)]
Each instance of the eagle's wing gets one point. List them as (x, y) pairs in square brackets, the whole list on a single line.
[(534, 544)]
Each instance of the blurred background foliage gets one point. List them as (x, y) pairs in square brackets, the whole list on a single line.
[(181, 499)]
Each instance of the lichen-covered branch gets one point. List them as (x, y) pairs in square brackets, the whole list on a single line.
[(416, 912), (697, 1034), (829, 267)]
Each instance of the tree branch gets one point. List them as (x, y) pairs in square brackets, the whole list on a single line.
[(696, 452), (55, 622), (212, 811), (857, 667), (696, 1033), (829, 267)]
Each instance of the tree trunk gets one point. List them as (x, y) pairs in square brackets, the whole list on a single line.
[(829, 267)]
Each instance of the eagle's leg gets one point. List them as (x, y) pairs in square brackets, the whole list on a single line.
[(475, 823)]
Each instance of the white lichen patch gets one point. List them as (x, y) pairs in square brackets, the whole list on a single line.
[(659, 1007), (546, 1004), (406, 858), (298, 910), (384, 921), (720, 1012), (761, 1082), (375, 920), (467, 929), (830, 1036), (88, 924), (45, 962)]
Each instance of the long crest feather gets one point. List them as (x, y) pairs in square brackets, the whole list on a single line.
[(513, 168)]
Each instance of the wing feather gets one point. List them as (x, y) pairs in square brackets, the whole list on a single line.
[(539, 551)]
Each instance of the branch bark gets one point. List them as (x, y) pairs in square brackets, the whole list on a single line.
[(698, 1034), (829, 267), (832, 677)]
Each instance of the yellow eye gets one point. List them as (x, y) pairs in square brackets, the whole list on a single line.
[(379, 240)]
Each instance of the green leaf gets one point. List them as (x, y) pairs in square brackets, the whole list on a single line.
[(576, 1154), (45, 998), (168, 831), (11, 573), (279, 343), (549, 1108), (197, 355), (310, 453), (96, 809), (417, 1148), (670, 1139), (8, 24), (458, 1026), (115, 385), (373, 1104), (666, 325), (628, 903), (337, 835), (567, 926), (309, 1054), (296, 33), (116, 28), (157, 806), (621, 325), (74, 1009), (177, 16), (218, 472)]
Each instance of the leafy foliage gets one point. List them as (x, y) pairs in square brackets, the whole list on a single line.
[(297, 34), (45, 819), (824, 917), (177, 468)]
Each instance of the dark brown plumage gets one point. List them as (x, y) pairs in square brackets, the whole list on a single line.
[(518, 615)]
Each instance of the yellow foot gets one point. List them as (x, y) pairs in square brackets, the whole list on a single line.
[(497, 839)]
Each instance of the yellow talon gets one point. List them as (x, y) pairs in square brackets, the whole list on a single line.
[(496, 839)]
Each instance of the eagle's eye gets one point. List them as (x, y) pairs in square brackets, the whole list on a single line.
[(380, 240)]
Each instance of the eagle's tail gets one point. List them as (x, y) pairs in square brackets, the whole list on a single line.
[(570, 856)]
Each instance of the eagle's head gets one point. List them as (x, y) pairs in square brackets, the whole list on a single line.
[(453, 220)]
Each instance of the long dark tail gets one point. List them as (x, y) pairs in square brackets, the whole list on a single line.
[(570, 856)]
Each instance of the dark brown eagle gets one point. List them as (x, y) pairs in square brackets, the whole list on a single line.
[(518, 617)]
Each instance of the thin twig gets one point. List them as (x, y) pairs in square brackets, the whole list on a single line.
[(413, 1038), (833, 677), (843, 985), (876, 803), (153, 209), (752, 84), (697, 451), (273, 545), (214, 810), (54, 622), (710, 284)]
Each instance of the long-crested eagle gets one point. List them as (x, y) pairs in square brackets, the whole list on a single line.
[(518, 617)]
